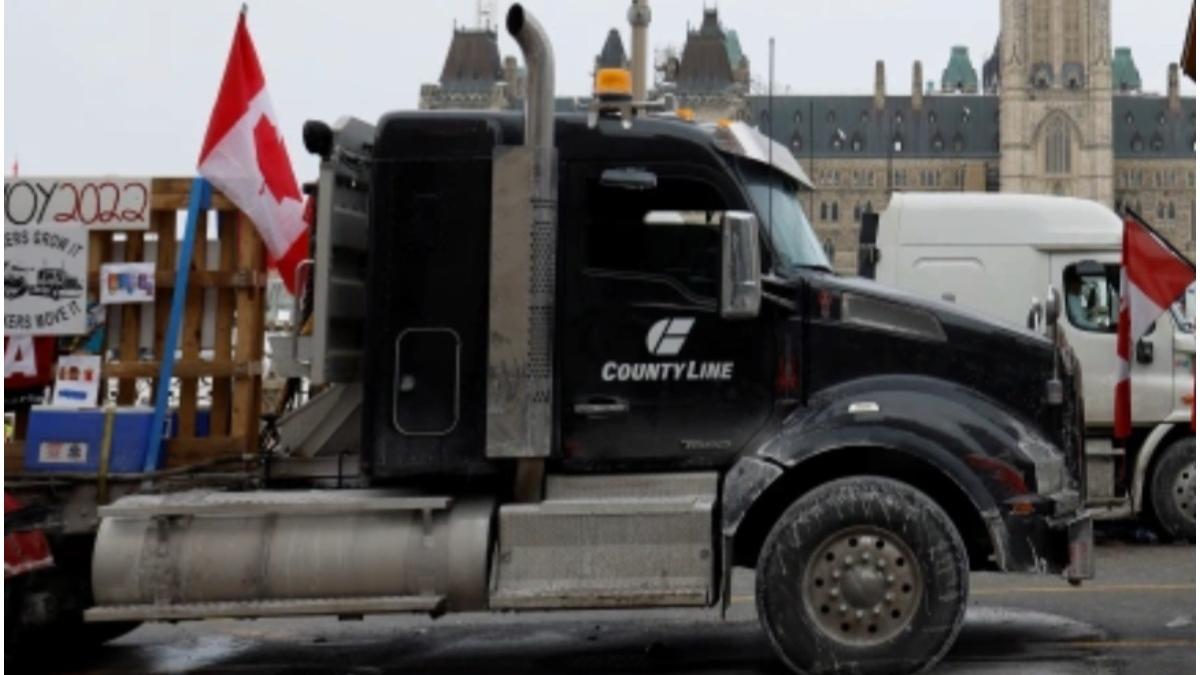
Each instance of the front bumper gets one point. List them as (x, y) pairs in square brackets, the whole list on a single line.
[(1044, 535)]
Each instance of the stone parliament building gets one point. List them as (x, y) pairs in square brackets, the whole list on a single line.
[(1054, 109)]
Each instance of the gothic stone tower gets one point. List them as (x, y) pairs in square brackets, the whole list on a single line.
[(1056, 98)]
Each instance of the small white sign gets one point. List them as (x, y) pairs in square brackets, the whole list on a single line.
[(126, 282), (45, 280), (104, 203), (77, 381), (69, 452)]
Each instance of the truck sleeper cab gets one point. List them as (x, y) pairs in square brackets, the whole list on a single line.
[(712, 397)]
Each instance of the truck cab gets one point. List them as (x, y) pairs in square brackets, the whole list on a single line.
[(992, 253), (600, 361)]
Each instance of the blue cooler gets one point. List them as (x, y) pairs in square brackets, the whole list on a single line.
[(64, 439)]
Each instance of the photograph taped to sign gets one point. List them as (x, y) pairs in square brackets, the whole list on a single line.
[(126, 282), (97, 203), (45, 280)]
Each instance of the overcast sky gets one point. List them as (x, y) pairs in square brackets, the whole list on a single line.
[(126, 86)]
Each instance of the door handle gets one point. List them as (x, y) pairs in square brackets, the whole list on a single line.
[(602, 405)]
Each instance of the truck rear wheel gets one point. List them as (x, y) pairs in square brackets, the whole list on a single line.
[(862, 575), (1173, 490)]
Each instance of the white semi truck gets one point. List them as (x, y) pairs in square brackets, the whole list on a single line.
[(992, 253)]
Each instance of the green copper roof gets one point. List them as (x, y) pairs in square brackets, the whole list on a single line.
[(959, 74), (1124, 73), (733, 47)]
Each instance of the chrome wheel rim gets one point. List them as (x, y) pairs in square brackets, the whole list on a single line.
[(862, 587), (1183, 492)]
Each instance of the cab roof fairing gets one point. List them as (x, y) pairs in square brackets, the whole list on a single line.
[(743, 140)]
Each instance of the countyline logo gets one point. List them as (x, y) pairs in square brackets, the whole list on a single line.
[(666, 338)]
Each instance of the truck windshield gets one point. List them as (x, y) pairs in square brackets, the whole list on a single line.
[(777, 202)]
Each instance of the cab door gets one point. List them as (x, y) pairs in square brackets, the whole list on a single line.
[(651, 372), (1090, 291)]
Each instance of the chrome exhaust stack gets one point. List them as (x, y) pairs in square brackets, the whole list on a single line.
[(524, 233)]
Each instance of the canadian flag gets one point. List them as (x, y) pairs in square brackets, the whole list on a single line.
[(1153, 275), (244, 157)]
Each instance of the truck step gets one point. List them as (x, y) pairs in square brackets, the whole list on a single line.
[(607, 542), (306, 502), (424, 604)]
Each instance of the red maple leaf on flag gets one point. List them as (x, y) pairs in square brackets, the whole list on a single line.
[(273, 162)]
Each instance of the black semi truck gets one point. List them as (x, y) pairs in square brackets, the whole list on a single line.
[(599, 360)]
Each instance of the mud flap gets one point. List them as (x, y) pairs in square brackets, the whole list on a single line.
[(1081, 549)]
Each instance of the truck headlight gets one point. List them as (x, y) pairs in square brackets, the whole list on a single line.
[(1049, 468), (1049, 474)]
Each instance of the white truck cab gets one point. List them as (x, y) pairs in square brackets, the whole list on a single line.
[(998, 252)]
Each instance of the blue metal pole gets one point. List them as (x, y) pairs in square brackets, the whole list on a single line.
[(198, 204)]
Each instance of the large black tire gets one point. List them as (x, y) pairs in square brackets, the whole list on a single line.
[(1172, 490), (862, 575)]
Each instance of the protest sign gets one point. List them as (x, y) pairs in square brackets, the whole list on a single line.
[(45, 280), (108, 203)]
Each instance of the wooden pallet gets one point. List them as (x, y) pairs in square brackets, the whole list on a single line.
[(233, 287)]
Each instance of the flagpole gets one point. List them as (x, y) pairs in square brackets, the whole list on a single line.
[(1158, 235), (198, 204)]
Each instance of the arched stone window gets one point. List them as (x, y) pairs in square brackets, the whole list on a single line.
[(937, 144), (959, 142), (1170, 210), (833, 212), (824, 211), (1058, 146)]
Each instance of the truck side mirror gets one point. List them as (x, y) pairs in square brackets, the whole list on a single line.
[(1145, 351), (1089, 268), (741, 274)]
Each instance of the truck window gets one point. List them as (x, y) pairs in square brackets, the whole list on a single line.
[(1092, 298), (670, 233)]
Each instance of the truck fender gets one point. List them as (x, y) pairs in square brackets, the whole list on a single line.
[(978, 445), (1145, 455)]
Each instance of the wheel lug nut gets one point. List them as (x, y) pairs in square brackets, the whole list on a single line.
[(858, 614), (844, 608), (835, 592), (878, 610), (837, 574), (866, 557), (849, 561), (888, 597), (881, 563), (891, 578)]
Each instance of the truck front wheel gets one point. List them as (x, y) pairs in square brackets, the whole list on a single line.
[(862, 575), (1173, 490)]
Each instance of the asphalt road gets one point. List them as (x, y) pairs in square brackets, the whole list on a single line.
[(1138, 616)]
